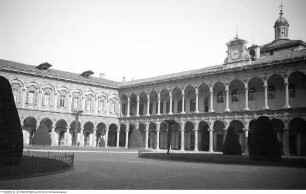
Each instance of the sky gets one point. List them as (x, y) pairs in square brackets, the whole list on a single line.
[(137, 38)]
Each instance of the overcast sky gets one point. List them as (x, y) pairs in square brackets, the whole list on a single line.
[(137, 38)]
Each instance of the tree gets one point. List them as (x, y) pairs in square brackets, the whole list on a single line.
[(11, 137), (231, 145), (264, 144), (42, 136), (135, 139)]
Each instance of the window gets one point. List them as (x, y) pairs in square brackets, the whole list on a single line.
[(47, 99), (76, 102), (167, 107), (179, 106), (206, 104), (291, 91), (220, 97), (283, 31), (161, 108), (192, 105), (31, 97), (251, 94), (271, 52), (88, 104), (123, 109), (271, 92), (15, 94), (62, 100), (150, 108), (235, 96)]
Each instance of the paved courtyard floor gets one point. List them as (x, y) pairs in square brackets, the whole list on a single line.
[(126, 171)]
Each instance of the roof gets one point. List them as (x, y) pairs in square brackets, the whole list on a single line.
[(9, 65), (281, 21), (277, 44)]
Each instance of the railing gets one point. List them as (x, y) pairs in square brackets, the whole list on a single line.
[(37, 163)]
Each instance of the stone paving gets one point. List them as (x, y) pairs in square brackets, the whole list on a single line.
[(104, 171)]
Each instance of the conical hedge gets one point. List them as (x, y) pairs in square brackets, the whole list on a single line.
[(42, 136), (231, 145), (135, 139)]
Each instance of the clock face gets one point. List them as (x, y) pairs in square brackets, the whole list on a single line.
[(235, 54)]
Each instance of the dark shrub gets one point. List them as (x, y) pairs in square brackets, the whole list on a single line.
[(102, 143), (135, 140), (11, 138), (231, 145), (42, 136), (264, 144)]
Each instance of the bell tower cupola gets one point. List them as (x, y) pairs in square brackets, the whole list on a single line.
[(281, 26)]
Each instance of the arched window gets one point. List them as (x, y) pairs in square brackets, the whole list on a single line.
[(89, 103), (47, 96), (17, 93), (251, 93), (220, 97), (235, 96), (32, 95), (76, 101), (271, 92), (62, 100)]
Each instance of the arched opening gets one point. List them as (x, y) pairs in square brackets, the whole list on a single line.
[(297, 89), (238, 125), (122, 135), (29, 128), (237, 95), (133, 105), (61, 132), (153, 103), (74, 130), (252, 128), (256, 95), (204, 98), (218, 136), (276, 92), (124, 104), (219, 97), (100, 135), (163, 136), (88, 133), (176, 100), (189, 136), (112, 135), (203, 136), (164, 102), (297, 137), (175, 136), (190, 99), (142, 129), (48, 123), (152, 136), (142, 104)]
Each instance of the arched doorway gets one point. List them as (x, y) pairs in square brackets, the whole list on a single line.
[(100, 135), (112, 135), (297, 137), (238, 125), (29, 128), (189, 136), (152, 136), (88, 133), (61, 132), (74, 130), (203, 136), (218, 136)]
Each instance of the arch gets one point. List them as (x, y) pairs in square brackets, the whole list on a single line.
[(17, 87), (33, 84), (88, 133), (100, 134), (189, 140), (297, 89), (164, 100), (276, 92), (122, 135), (297, 136), (152, 136), (238, 125), (112, 135), (74, 130), (204, 98), (218, 135), (176, 100), (237, 95), (163, 131), (133, 104), (203, 136), (190, 99), (17, 81), (29, 126), (64, 88), (219, 97), (61, 132), (256, 93), (143, 103), (48, 122)]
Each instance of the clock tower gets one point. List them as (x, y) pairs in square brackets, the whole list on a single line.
[(237, 53)]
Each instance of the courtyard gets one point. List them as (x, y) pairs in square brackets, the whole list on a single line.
[(102, 171)]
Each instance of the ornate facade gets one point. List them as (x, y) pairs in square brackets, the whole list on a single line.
[(267, 80)]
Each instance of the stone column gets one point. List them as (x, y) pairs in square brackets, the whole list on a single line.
[(211, 92), (266, 94), (183, 104), (39, 100), (94, 141), (128, 107), (148, 104), (211, 138), (157, 135), (246, 89), (126, 135), (137, 110), (83, 103), (55, 101), (158, 106), (82, 137), (147, 135), (227, 98), (69, 102), (286, 141), (107, 106), (96, 106), (182, 136), (118, 137), (196, 127), (53, 139), (197, 100), (106, 137), (287, 105), (170, 105), (246, 141)]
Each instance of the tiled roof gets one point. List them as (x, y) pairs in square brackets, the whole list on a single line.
[(281, 43), (4, 64)]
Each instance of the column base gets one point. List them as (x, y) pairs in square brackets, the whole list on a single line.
[(183, 112), (147, 115), (196, 150), (127, 115), (196, 111), (227, 110), (265, 108), (287, 106), (246, 109), (137, 115), (158, 114), (211, 110), (170, 113)]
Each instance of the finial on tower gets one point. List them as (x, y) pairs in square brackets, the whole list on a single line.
[(281, 8)]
